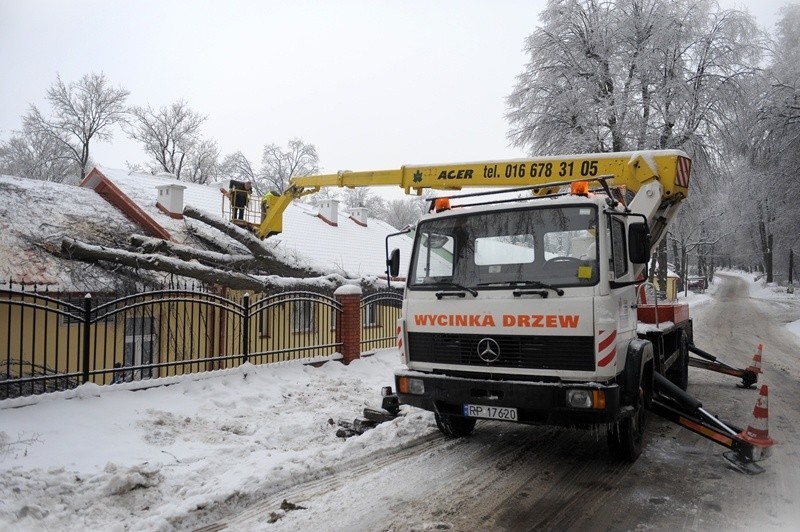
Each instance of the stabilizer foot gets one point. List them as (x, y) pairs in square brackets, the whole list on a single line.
[(741, 465)]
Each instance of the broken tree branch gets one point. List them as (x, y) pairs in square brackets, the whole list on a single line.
[(247, 239)]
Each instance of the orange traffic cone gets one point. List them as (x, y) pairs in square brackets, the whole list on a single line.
[(757, 433), (755, 366)]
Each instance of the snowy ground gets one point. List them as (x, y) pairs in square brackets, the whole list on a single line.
[(122, 458)]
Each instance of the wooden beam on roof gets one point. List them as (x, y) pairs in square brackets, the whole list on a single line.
[(110, 192)]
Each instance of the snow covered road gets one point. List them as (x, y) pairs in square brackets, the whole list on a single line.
[(511, 477), (224, 451)]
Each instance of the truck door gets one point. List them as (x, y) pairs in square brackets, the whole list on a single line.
[(621, 270)]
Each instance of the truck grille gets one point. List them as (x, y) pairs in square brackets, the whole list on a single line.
[(574, 353)]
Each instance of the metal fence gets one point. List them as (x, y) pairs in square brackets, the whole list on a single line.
[(52, 342)]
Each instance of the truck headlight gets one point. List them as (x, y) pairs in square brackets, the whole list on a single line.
[(583, 398), (579, 398), (411, 386)]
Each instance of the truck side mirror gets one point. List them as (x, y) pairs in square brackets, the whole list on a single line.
[(638, 243), (393, 263)]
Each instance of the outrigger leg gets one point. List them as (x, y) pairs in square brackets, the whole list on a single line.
[(749, 375), (746, 446)]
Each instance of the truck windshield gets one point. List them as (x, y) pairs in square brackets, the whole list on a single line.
[(554, 245)]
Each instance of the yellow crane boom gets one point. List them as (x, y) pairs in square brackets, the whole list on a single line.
[(670, 168)]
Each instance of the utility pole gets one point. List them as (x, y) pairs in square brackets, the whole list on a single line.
[(791, 270)]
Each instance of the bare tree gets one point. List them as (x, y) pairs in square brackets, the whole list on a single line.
[(36, 155), (364, 197), (82, 111), (402, 212), (169, 134), (325, 193), (203, 165), (279, 166), (237, 166)]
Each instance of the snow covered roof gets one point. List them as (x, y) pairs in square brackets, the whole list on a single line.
[(36, 215), (350, 247)]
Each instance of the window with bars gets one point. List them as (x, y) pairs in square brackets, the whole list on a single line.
[(303, 316), (369, 315)]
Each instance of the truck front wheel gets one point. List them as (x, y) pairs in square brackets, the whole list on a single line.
[(625, 438), (455, 426)]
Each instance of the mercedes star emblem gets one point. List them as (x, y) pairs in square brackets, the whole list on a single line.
[(488, 350)]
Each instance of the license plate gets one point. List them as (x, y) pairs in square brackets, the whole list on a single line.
[(491, 412)]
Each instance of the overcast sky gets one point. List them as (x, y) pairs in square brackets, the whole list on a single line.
[(371, 84)]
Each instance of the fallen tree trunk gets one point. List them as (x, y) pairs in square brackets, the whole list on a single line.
[(210, 258), (75, 249)]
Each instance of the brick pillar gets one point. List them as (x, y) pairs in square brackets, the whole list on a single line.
[(348, 325)]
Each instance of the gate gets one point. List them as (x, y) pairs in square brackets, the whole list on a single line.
[(380, 311)]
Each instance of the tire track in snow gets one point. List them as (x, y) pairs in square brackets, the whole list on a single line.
[(302, 492)]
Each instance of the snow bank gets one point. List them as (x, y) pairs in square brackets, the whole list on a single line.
[(112, 458)]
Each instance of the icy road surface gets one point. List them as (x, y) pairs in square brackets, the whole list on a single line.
[(511, 477)]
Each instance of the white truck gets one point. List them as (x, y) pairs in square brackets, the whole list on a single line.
[(528, 309)]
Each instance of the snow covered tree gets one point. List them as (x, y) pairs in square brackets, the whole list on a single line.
[(82, 111), (763, 140), (36, 155), (363, 197), (616, 75), (325, 193), (171, 137), (279, 166), (203, 164), (631, 74), (695, 232), (237, 166), (402, 212)]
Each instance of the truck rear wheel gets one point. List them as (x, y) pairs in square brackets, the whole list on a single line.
[(626, 437), (455, 426)]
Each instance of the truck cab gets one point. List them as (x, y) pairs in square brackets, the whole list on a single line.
[(521, 311)]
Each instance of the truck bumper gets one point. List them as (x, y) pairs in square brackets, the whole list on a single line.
[(537, 403)]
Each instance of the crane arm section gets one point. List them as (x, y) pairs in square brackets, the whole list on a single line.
[(670, 168)]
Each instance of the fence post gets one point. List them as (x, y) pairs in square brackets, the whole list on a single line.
[(87, 311), (348, 327), (246, 327)]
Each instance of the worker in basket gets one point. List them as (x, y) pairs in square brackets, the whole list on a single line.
[(239, 195), (266, 202)]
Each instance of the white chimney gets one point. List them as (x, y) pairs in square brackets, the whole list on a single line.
[(359, 215), (329, 211), (170, 199)]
